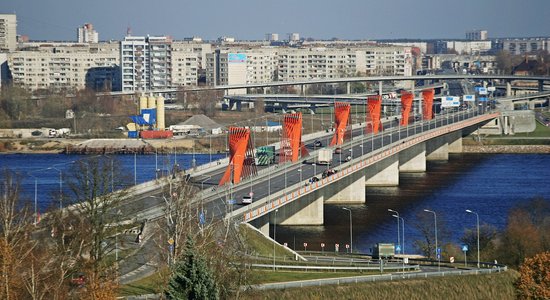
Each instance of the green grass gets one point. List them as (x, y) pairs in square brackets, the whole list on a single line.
[(492, 286), (147, 285), (540, 131), (259, 245), (284, 276)]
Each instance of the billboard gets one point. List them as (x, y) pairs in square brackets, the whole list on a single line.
[(482, 91), (450, 101), (482, 99), (236, 57), (469, 98)]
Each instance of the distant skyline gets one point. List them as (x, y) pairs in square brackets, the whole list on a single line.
[(251, 19)]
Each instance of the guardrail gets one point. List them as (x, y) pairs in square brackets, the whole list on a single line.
[(371, 278)]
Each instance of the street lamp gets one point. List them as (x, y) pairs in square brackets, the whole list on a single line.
[(395, 212), (274, 236), (300, 171), (477, 221), (350, 229), (436, 249)]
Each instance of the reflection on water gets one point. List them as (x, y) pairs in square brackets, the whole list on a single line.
[(487, 184)]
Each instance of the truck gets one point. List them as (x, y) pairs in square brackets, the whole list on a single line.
[(324, 157), (383, 250), (265, 156)]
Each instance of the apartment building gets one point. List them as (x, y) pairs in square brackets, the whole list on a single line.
[(386, 61), (317, 63), (87, 34), (8, 32), (231, 66), (66, 65), (526, 45), (146, 63)]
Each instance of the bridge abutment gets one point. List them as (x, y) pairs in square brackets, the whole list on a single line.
[(384, 173), (413, 159)]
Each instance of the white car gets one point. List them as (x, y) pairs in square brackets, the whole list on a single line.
[(247, 199)]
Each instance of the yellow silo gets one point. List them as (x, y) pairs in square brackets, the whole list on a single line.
[(151, 102), (142, 103), (160, 113)]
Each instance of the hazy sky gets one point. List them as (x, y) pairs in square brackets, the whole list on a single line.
[(252, 19)]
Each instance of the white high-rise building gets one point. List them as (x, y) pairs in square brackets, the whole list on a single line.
[(8, 32), (272, 37), (476, 35), (146, 63), (294, 37), (87, 34)]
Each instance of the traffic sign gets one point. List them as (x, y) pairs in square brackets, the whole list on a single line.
[(170, 241), (398, 248), (438, 250), (464, 248), (452, 259), (285, 244), (438, 256), (336, 247), (322, 245), (305, 244), (347, 246)]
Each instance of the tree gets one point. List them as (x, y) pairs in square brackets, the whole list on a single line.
[(424, 223), (534, 280), (90, 223), (487, 247), (191, 277), (15, 245)]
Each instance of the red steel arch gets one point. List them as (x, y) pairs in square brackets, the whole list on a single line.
[(241, 156), (291, 140), (374, 103), (341, 118), (427, 104), (406, 104)]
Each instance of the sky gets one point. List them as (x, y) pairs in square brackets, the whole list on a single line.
[(252, 19)]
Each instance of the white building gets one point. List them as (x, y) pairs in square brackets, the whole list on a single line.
[(272, 37), (526, 45), (87, 34), (146, 63), (476, 35), (8, 32), (469, 47), (294, 37), (59, 65)]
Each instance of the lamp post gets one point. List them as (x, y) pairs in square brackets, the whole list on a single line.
[(300, 171), (436, 249), (398, 235), (477, 221), (350, 229), (274, 236)]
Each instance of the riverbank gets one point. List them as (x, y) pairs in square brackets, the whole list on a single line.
[(506, 149)]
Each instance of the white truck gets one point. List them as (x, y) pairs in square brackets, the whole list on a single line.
[(325, 157)]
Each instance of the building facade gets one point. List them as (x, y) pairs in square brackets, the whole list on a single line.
[(526, 45), (477, 35), (8, 32), (68, 66)]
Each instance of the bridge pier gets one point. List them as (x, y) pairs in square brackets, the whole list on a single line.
[(384, 173), (508, 88), (541, 86), (348, 88), (308, 210), (413, 159), (437, 149), (454, 139), (350, 189)]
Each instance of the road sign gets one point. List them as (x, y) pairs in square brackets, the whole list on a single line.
[(285, 244), (398, 248), (438, 250), (347, 246), (336, 247), (322, 245), (464, 248), (170, 241), (452, 259), (438, 256), (305, 244)]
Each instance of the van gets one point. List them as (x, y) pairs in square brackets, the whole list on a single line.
[(247, 199)]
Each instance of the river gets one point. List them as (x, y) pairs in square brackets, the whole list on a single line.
[(489, 184)]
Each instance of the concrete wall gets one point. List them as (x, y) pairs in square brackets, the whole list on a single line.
[(308, 210), (383, 173), (413, 159), (437, 149)]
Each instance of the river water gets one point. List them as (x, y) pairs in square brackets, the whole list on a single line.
[(489, 184)]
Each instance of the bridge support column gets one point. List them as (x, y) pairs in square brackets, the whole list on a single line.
[(348, 88), (302, 90), (541, 86), (308, 210), (413, 159), (508, 89), (437, 149), (384, 173), (454, 139), (350, 189)]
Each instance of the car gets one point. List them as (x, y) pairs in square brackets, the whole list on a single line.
[(338, 150), (314, 179), (317, 143), (247, 199)]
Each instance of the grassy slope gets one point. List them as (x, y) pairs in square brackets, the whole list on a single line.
[(493, 286)]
